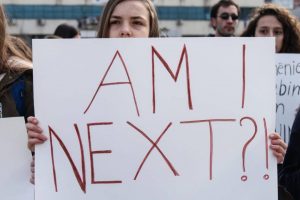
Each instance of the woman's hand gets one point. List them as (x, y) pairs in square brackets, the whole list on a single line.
[(34, 133), (278, 147)]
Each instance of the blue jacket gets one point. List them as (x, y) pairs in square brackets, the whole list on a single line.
[(16, 94)]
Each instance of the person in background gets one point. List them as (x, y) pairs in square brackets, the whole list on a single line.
[(66, 31), (120, 19), (224, 18), (271, 20), (16, 81), (52, 37), (16, 87)]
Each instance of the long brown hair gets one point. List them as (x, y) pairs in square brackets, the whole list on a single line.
[(3, 37), (290, 25), (103, 29), (7, 47)]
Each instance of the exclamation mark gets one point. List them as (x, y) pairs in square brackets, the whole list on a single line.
[(266, 176), (244, 76)]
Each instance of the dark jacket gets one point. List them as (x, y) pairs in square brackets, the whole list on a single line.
[(24, 96), (289, 176)]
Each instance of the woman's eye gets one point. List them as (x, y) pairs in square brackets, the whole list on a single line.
[(138, 23), (278, 32), (114, 22), (263, 31)]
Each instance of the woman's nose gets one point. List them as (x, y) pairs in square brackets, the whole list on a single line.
[(271, 34), (126, 30)]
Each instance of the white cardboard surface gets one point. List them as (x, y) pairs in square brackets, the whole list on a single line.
[(197, 163), (15, 160)]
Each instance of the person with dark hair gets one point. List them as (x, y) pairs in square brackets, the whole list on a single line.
[(66, 31), (277, 144), (271, 20), (224, 17), (51, 36)]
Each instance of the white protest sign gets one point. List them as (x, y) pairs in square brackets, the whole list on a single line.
[(168, 118), (15, 160), (288, 92)]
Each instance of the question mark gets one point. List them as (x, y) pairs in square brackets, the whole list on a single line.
[(244, 177)]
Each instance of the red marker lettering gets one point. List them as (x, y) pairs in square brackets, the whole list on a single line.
[(174, 76), (93, 181), (115, 83), (154, 145), (81, 181)]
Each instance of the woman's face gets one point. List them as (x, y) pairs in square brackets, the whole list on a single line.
[(130, 18), (269, 26)]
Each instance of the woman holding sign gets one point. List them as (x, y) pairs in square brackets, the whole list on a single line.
[(126, 18), (271, 20), (120, 19)]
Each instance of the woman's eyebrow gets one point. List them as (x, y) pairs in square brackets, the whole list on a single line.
[(116, 17)]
